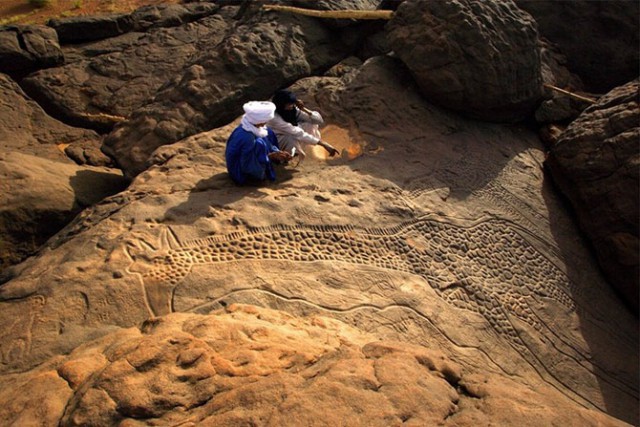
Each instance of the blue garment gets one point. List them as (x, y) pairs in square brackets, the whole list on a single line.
[(247, 155)]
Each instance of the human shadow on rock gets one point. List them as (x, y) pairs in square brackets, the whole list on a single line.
[(220, 191)]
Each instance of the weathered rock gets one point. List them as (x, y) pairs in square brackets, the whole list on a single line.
[(596, 163), (558, 107), (170, 15), (583, 30), (24, 49), (117, 76), (264, 52), (430, 229), (38, 197), (79, 29), (249, 365), (25, 127), (478, 58)]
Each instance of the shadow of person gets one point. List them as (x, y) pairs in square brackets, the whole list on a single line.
[(220, 191)]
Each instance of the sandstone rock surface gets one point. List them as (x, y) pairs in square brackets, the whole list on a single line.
[(478, 58), (430, 230), (26, 49), (583, 31), (596, 164), (193, 369)]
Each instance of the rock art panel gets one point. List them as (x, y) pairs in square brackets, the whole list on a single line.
[(440, 232)]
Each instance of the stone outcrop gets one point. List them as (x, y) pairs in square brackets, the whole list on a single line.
[(263, 52), (478, 58), (41, 189), (584, 31), (39, 196), (112, 78), (25, 127), (596, 164), (82, 29), (24, 49), (285, 371), (430, 229)]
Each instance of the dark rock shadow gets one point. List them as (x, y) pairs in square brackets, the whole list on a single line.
[(91, 186), (607, 324)]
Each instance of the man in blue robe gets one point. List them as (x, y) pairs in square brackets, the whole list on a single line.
[(252, 147)]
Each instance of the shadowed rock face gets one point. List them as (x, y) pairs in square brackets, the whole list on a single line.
[(430, 230), (26, 49), (596, 164), (478, 58), (600, 39)]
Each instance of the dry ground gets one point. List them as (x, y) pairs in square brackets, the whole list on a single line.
[(22, 12)]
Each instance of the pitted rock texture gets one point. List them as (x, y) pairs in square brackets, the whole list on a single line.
[(252, 366), (478, 58), (111, 79), (25, 49), (583, 31), (264, 51), (430, 229), (596, 164)]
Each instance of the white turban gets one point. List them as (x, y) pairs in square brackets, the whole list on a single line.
[(259, 111)]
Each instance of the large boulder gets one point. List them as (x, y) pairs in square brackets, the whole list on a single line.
[(263, 52), (24, 49), (478, 58), (40, 196), (596, 163), (584, 32), (112, 78), (246, 365)]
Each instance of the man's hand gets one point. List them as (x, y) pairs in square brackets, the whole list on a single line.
[(280, 156), (330, 149)]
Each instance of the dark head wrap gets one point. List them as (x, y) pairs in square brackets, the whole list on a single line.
[(281, 98)]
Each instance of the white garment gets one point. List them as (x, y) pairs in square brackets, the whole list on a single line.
[(259, 111), (290, 136), (260, 132)]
